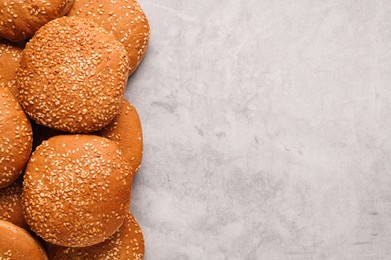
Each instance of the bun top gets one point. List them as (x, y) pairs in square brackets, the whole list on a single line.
[(11, 204), (124, 19), (15, 138), (126, 243), (76, 190), (10, 55), (126, 130), (19, 20), (17, 243), (72, 76)]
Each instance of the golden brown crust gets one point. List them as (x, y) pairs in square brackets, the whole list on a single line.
[(126, 243), (126, 130), (76, 190), (11, 204), (72, 76), (124, 19), (16, 243), (15, 138), (10, 55), (19, 20)]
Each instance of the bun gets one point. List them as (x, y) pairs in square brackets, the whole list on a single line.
[(10, 55), (72, 76), (126, 243), (126, 130), (124, 19), (77, 190), (17, 243), (19, 20), (15, 138), (11, 204)]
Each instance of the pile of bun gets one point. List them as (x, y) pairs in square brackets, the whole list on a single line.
[(70, 143)]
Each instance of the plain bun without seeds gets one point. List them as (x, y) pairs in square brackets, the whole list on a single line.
[(72, 76), (77, 190)]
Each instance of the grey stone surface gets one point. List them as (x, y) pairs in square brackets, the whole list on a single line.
[(267, 129)]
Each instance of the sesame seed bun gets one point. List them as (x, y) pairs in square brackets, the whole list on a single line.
[(124, 19), (77, 190), (11, 204), (17, 243), (15, 138), (126, 130), (19, 20), (10, 55), (72, 76), (126, 243)]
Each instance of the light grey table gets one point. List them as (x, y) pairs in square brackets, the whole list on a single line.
[(267, 129)]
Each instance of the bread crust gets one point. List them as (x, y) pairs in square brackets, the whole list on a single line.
[(17, 243), (126, 243), (126, 130), (19, 20), (11, 204), (10, 55), (72, 76), (77, 190), (125, 19), (15, 138)]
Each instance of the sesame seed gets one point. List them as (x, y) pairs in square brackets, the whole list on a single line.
[(126, 243), (15, 138), (121, 18), (72, 76), (21, 19), (76, 197)]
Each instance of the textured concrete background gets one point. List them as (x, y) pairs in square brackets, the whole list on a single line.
[(267, 129)]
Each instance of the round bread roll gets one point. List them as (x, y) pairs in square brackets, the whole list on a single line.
[(126, 130), (11, 204), (124, 19), (19, 20), (77, 190), (72, 76), (17, 243), (15, 138), (126, 243), (10, 55)]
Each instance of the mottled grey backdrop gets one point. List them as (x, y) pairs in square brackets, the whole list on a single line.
[(267, 129)]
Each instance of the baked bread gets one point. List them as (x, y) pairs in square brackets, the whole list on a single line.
[(124, 19), (16, 243), (10, 55), (15, 138), (19, 20), (126, 243), (72, 76), (11, 204), (77, 190), (126, 130)]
